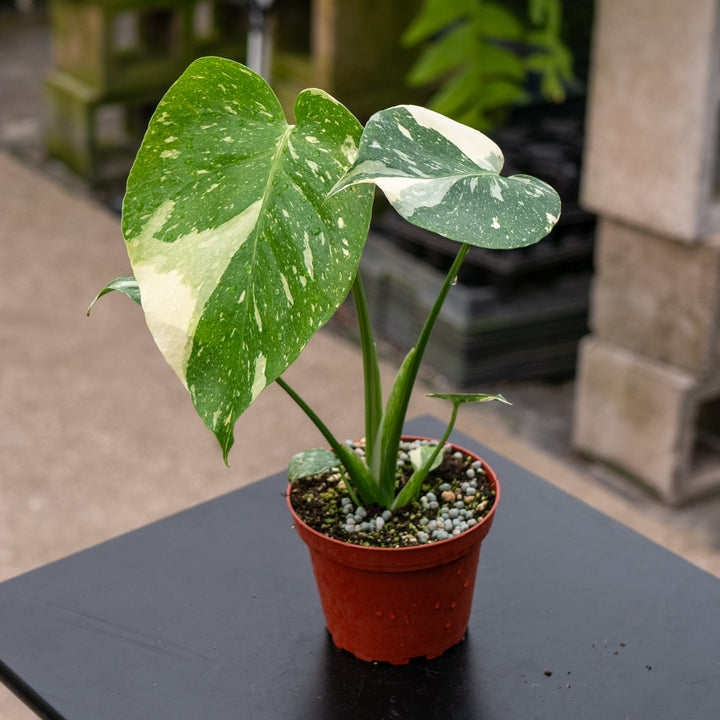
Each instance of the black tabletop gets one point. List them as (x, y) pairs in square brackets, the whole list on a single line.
[(213, 614)]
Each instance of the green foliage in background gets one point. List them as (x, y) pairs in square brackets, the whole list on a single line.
[(479, 56)]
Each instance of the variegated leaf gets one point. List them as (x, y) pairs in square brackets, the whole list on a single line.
[(238, 252), (311, 462), (126, 285), (421, 454), (460, 398), (445, 177)]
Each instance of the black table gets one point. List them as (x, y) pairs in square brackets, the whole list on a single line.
[(212, 614)]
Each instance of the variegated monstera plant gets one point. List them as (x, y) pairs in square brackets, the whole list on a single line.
[(245, 235)]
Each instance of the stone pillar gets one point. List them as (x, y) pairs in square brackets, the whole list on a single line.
[(352, 50), (113, 61), (648, 386)]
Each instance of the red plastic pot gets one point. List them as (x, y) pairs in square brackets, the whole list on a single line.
[(394, 604)]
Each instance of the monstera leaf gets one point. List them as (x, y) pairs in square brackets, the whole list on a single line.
[(238, 252), (445, 177)]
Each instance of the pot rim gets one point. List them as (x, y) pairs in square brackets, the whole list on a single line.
[(370, 556)]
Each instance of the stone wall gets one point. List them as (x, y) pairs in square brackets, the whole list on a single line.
[(648, 383)]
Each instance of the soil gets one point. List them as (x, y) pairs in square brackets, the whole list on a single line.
[(320, 502)]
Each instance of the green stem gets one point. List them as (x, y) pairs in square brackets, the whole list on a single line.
[(356, 469), (412, 487), (404, 383), (448, 430), (450, 280), (319, 424), (371, 368)]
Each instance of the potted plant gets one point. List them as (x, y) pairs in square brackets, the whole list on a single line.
[(245, 235)]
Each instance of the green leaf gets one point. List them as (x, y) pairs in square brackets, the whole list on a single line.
[(449, 51), (460, 398), (390, 428), (458, 93), (311, 462), (445, 177), (238, 251), (434, 16), (493, 20), (372, 382), (359, 475), (125, 285), (420, 455)]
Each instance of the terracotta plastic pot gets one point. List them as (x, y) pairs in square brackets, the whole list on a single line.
[(394, 604)]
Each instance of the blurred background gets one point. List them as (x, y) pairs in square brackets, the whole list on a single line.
[(605, 336)]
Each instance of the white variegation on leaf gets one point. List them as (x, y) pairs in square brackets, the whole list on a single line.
[(311, 462), (419, 457), (238, 252), (445, 177)]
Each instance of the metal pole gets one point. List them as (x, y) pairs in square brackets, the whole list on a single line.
[(256, 40)]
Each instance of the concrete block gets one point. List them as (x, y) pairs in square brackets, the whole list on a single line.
[(632, 413), (652, 128), (354, 52), (70, 127), (94, 135), (120, 46), (114, 60), (657, 297), (651, 421)]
